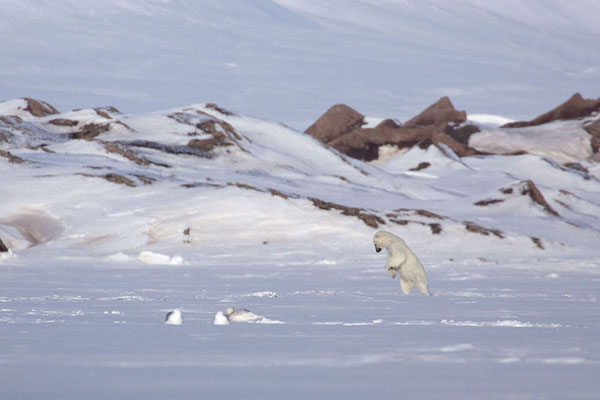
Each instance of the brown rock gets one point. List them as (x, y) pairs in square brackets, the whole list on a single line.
[(116, 178), (90, 131), (575, 107), (11, 158), (209, 144), (364, 143), (532, 191), (122, 150), (594, 130), (39, 108), (218, 109), (461, 133), (3, 248), (337, 121), (438, 114), (63, 122)]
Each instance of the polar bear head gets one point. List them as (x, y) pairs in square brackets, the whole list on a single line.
[(382, 239)]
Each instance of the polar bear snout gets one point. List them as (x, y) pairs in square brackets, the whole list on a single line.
[(377, 248)]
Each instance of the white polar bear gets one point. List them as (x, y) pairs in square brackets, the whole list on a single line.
[(401, 259)]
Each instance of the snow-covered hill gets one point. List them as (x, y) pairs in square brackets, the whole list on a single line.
[(112, 220), (288, 60), (201, 172)]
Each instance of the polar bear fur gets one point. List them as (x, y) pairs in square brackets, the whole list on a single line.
[(402, 260)]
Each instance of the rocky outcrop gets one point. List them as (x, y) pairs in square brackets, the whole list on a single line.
[(341, 128), (39, 108), (63, 122), (594, 130), (90, 131), (3, 248), (522, 188), (439, 114), (337, 121), (575, 107), (11, 158), (364, 143)]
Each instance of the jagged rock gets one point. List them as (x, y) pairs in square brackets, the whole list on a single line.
[(369, 219), (218, 109), (209, 144), (90, 131), (473, 227), (461, 133), (594, 130), (105, 112), (63, 122), (524, 188), (341, 128), (337, 121), (364, 143), (3, 248), (116, 178), (118, 148), (532, 191), (11, 158), (438, 114), (39, 108), (575, 107)]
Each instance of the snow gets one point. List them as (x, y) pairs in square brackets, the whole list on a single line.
[(290, 60), (99, 273), (488, 120), (563, 141), (94, 266)]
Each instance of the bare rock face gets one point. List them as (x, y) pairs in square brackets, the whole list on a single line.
[(337, 121), (63, 122), (575, 107), (39, 108), (90, 131), (364, 144), (438, 114), (594, 130), (341, 128)]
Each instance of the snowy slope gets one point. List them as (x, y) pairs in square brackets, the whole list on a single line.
[(113, 220), (288, 60)]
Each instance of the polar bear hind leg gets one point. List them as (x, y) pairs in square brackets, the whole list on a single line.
[(423, 287), (405, 286)]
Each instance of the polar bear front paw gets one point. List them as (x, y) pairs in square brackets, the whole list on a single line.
[(392, 272)]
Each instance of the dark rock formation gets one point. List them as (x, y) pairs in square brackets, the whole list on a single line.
[(337, 121), (594, 130), (3, 248), (438, 114), (11, 158), (341, 128), (90, 131), (575, 107), (39, 108), (63, 122)]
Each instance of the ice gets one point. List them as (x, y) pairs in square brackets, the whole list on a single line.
[(150, 257)]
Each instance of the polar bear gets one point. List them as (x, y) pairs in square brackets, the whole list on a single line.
[(401, 259)]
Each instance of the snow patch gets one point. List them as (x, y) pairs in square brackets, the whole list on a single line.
[(150, 257)]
